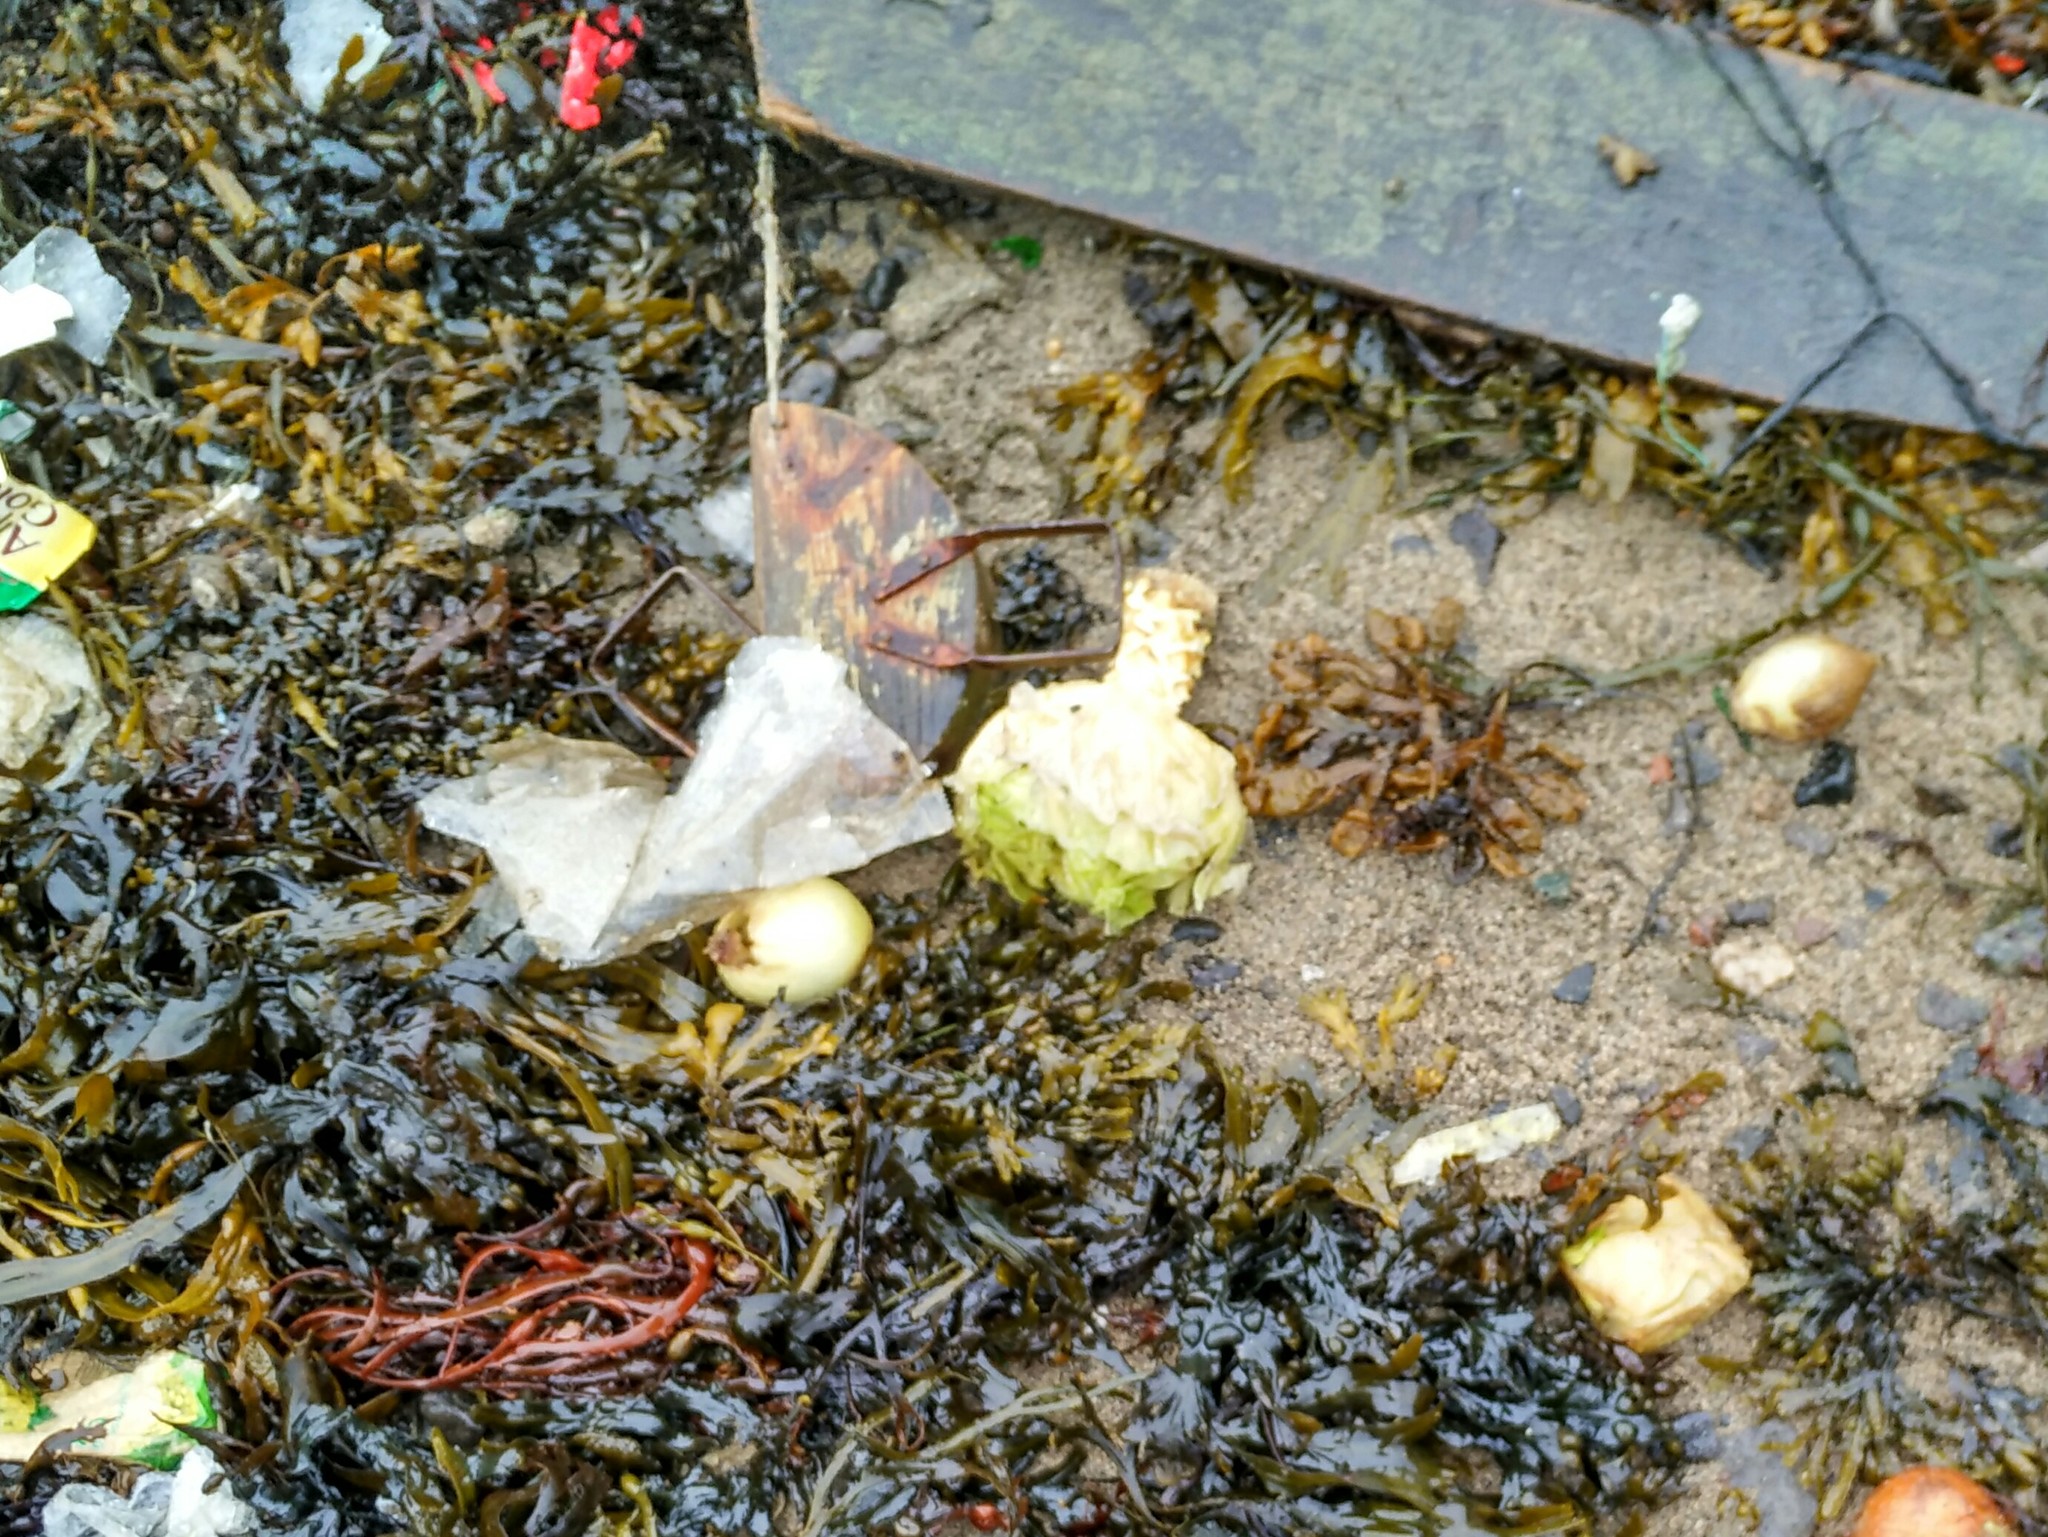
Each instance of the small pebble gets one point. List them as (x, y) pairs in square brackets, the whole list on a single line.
[(1554, 886), (1951, 1011), (813, 383), (1195, 931), (861, 352), (1808, 839), (2005, 840), (492, 530), (1751, 1048), (1411, 544), (1851, 935), (2017, 946), (1875, 897), (1704, 932), (1698, 1440), (1209, 972), (1480, 537), (1830, 779), (1752, 965), (1692, 743), (1809, 931), (1756, 913), (883, 284), (1569, 1110), (1576, 986)]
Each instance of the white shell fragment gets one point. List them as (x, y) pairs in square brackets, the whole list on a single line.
[(1483, 1141), (317, 32)]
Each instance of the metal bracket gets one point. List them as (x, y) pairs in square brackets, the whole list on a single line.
[(600, 670)]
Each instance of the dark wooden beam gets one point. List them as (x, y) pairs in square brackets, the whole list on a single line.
[(1443, 153)]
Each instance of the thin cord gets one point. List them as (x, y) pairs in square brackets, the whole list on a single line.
[(771, 278)]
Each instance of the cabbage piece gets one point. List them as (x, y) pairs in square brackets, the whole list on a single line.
[(1097, 789), (1649, 1286)]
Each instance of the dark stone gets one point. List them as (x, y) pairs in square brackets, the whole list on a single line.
[(1808, 839), (1411, 544), (1207, 971), (1690, 746), (1576, 986), (861, 352), (1875, 897), (1951, 1011), (815, 383), (1195, 931), (1480, 537), (1830, 778), (1754, 914), (2006, 840), (884, 282), (1569, 1110), (1554, 886)]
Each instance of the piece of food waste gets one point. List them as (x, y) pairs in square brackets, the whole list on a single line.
[(797, 943), (1802, 689), (50, 707), (1483, 1141), (1933, 1502), (1096, 788), (40, 539), (794, 777), (1649, 1285), (133, 1416)]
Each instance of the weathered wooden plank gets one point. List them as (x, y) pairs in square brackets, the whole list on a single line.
[(1442, 153)]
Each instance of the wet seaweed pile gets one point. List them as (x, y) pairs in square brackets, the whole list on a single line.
[(1413, 762)]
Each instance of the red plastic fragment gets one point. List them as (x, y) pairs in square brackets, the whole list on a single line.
[(2008, 63), (487, 82), (579, 80)]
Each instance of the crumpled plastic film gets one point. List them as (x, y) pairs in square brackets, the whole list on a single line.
[(794, 777)]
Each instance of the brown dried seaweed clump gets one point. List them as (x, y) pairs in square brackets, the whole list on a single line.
[(1415, 763)]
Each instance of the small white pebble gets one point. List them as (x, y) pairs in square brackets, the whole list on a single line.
[(491, 530), (1752, 965)]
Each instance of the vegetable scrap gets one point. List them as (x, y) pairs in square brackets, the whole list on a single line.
[(1416, 763), (1097, 789), (1802, 689), (1648, 1281), (141, 1415)]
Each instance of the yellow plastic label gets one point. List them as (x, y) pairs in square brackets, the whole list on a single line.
[(40, 539)]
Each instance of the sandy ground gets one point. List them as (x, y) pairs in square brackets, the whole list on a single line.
[(1603, 587)]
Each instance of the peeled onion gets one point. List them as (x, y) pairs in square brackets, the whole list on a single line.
[(798, 943), (1802, 689), (1933, 1502)]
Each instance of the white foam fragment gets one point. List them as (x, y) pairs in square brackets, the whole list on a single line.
[(316, 33), (64, 263)]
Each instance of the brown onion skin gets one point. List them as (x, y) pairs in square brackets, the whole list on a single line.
[(1933, 1502)]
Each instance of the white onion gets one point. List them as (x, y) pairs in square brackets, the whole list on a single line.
[(1802, 689), (798, 943)]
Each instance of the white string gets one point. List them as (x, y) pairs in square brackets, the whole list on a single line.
[(771, 278)]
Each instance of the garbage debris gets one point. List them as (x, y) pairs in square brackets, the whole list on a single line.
[(1802, 689), (1483, 1141), (798, 943), (63, 263), (134, 1416), (319, 34), (157, 1505), (1097, 789), (48, 694), (40, 539), (794, 777), (29, 316), (1648, 1286), (1934, 1502)]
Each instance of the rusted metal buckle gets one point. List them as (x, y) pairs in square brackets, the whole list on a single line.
[(892, 639)]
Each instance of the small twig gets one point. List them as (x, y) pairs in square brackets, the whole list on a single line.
[(1689, 837)]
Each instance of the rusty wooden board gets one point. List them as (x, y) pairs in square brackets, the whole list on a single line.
[(837, 509), (1442, 153)]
